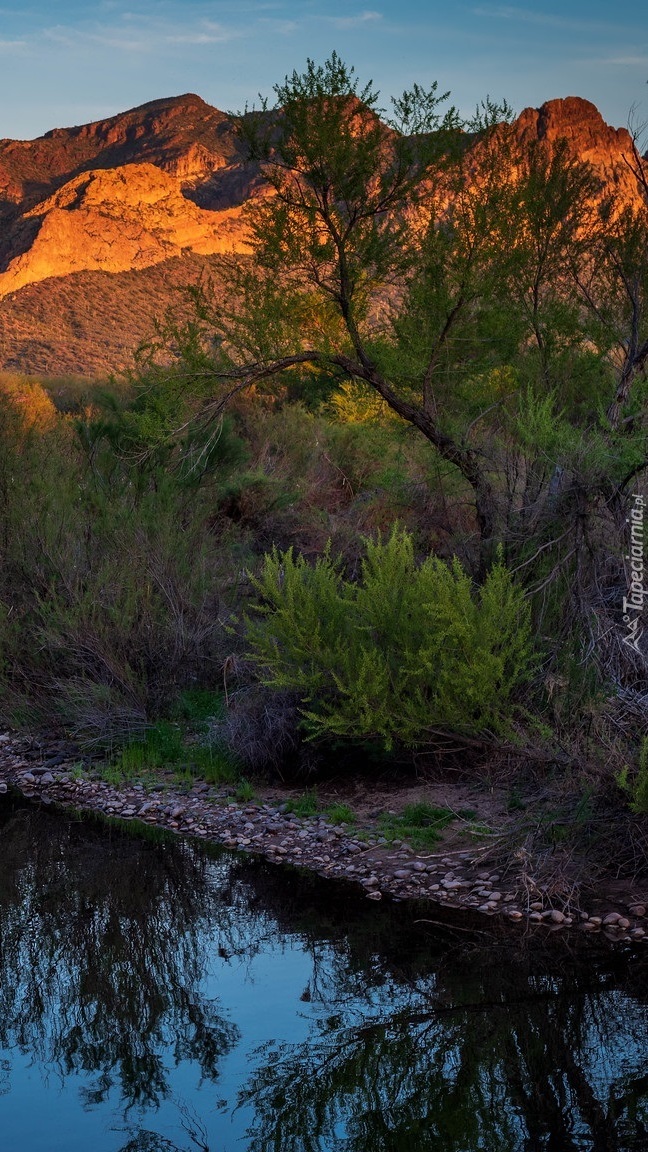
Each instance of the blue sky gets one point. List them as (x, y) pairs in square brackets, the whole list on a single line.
[(64, 63)]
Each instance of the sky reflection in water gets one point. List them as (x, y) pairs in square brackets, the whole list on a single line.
[(156, 998)]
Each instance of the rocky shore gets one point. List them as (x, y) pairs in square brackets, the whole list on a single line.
[(457, 879)]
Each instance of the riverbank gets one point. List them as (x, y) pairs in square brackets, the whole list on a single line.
[(453, 877)]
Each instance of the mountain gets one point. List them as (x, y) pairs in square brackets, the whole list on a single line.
[(101, 224)]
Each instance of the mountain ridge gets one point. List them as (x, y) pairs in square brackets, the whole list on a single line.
[(149, 187)]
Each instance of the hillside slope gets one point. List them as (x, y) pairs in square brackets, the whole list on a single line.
[(101, 224)]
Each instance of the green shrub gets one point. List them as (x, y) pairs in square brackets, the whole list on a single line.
[(636, 787), (340, 814), (421, 824), (304, 806), (407, 650)]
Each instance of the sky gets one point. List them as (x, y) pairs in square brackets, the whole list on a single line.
[(64, 63)]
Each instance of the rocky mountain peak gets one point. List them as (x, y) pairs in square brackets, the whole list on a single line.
[(162, 186), (589, 137), (181, 134)]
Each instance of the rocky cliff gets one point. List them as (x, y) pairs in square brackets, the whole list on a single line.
[(88, 213)]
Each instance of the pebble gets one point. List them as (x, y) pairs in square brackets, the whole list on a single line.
[(269, 829), (554, 916)]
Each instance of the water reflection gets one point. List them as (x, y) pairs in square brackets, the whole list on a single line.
[(182, 1002), (101, 956), (465, 1046)]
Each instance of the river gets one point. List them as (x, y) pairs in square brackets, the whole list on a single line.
[(157, 996)]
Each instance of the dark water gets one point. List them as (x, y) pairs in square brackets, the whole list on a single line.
[(154, 997)]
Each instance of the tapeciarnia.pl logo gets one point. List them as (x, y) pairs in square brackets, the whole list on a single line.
[(633, 603)]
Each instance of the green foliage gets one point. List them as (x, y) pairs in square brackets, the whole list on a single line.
[(635, 785), (163, 747), (340, 814), (196, 706), (304, 806), (245, 792), (111, 582), (167, 746), (156, 427), (420, 824), (404, 651)]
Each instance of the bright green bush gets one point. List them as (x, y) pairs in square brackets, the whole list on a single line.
[(407, 650)]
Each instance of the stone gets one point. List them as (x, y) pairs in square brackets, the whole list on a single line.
[(554, 916)]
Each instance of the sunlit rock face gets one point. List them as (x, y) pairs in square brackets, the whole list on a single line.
[(118, 194), (580, 123), (113, 220), (182, 135)]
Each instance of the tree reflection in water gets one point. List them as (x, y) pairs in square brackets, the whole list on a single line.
[(467, 1047), (101, 955), (415, 1038)]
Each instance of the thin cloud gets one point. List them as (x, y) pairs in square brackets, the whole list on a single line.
[(344, 22), (148, 37), (626, 61), (206, 33), (283, 27), (8, 46), (544, 19)]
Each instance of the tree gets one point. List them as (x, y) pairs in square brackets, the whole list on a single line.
[(356, 229), (428, 258), (487, 290)]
